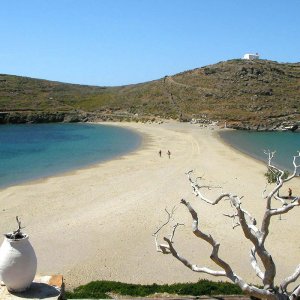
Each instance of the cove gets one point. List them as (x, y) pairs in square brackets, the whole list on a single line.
[(35, 151), (286, 144)]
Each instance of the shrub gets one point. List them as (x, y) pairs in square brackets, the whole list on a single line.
[(273, 175), (99, 289)]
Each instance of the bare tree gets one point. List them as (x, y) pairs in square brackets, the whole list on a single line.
[(257, 236)]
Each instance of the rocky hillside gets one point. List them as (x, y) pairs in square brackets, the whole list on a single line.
[(245, 94)]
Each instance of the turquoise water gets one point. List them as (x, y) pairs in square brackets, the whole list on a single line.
[(286, 144), (35, 151)]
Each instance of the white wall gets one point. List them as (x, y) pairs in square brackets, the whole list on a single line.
[(251, 56)]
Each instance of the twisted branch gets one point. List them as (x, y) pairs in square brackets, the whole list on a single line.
[(257, 236), (292, 278)]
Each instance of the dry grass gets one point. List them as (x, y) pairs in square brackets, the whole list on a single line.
[(236, 91)]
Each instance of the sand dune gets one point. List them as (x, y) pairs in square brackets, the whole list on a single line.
[(97, 223)]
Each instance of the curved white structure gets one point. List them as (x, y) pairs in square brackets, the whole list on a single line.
[(251, 56), (18, 264)]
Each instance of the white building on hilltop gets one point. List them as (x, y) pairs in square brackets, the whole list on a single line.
[(251, 56)]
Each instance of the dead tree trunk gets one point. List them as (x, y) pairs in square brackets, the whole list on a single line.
[(257, 236)]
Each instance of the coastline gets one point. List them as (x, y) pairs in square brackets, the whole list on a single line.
[(254, 144), (43, 172), (241, 151), (97, 223)]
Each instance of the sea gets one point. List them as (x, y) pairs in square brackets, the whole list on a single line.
[(35, 151), (253, 143)]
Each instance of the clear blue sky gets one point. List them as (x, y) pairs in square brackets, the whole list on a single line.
[(117, 42)]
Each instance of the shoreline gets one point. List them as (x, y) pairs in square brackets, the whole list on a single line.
[(283, 155), (73, 170), (239, 151), (97, 223)]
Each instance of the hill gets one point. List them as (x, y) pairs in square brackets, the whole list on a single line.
[(257, 94)]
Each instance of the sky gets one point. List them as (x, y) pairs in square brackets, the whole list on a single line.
[(119, 42)]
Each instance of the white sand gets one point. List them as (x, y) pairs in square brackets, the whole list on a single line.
[(97, 223)]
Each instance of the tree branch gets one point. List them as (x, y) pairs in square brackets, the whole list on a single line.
[(251, 232), (164, 248), (193, 267), (283, 210), (255, 265), (228, 272), (170, 215), (197, 192), (295, 293), (292, 278), (209, 239), (248, 224), (279, 183)]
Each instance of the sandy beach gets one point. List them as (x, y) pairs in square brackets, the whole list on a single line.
[(97, 223)]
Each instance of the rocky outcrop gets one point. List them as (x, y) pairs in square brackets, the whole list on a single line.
[(283, 126), (19, 117), (22, 117)]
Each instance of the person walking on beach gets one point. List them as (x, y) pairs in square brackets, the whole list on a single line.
[(290, 193), (169, 153), (159, 152)]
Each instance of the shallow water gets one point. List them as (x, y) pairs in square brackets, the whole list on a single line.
[(286, 145), (34, 151)]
